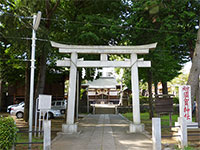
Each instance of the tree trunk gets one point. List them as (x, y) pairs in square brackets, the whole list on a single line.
[(39, 88), (164, 88), (41, 74), (27, 90), (195, 69), (1, 95), (150, 93), (198, 104), (156, 88), (42, 62)]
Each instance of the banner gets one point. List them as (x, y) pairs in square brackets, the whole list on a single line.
[(185, 106)]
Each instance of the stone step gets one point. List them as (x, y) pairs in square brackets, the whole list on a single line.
[(193, 134), (100, 110), (194, 130)]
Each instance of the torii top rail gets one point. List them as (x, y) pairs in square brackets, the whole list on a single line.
[(141, 49), (104, 50)]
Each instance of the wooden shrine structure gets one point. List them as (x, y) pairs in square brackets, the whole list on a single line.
[(104, 90)]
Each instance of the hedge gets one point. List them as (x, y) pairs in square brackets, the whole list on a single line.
[(8, 132)]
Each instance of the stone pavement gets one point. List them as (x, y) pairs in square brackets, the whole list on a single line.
[(102, 132)]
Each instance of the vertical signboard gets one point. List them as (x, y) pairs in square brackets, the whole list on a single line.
[(44, 102), (185, 107)]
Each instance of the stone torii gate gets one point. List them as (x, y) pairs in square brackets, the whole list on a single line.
[(74, 62)]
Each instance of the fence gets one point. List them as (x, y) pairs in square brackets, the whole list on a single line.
[(46, 137), (181, 136)]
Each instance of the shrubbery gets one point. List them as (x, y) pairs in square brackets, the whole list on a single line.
[(144, 100), (176, 100), (8, 132)]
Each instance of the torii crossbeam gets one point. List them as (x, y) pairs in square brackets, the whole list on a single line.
[(74, 62)]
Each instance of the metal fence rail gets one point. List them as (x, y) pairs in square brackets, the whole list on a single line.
[(28, 143), (46, 138), (193, 134), (170, 136), (24, 131)]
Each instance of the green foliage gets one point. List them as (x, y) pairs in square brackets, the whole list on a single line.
[(8, 132), (176, 100), (171, 25), (144, 100), (87, 22), (180, 80), (90, 22)]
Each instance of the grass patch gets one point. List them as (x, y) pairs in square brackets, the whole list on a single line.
[(148, 122), (145, 118), (21, 137), (24, 138)]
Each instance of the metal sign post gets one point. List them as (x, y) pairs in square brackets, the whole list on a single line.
[(36, 116)]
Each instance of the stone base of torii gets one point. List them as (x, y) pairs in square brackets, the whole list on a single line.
[(74, 62)]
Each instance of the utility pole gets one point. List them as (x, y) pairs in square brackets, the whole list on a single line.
[(36, 22)]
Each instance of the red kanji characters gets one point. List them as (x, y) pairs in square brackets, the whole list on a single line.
[(186, 105)]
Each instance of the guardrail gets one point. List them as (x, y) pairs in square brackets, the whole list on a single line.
[(46, 138)]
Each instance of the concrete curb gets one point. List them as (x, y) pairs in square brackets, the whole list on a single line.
[(145, 133), (124, 118), (86, 116), (55, 139)]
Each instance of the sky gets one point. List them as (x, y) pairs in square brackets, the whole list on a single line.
[(186, 68)]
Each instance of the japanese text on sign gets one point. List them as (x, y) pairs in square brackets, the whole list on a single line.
[(186, 102)]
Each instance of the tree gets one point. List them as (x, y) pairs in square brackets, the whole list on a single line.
[(91, 22), (163, 22), (193, 79), (172, 25), (13, 55), (74, 22), (12, 10)]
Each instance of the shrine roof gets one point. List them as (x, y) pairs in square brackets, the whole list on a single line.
[(103, 82)]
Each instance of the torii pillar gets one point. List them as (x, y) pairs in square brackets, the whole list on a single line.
[(70, 126), (136, 126)]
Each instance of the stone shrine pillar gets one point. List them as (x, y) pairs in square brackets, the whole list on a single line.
[(70, 126), (136, 126)]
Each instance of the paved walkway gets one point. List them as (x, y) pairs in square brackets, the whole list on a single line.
[(102, 132)]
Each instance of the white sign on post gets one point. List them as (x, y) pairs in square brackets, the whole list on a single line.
[(185, 108), (44, 102)]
